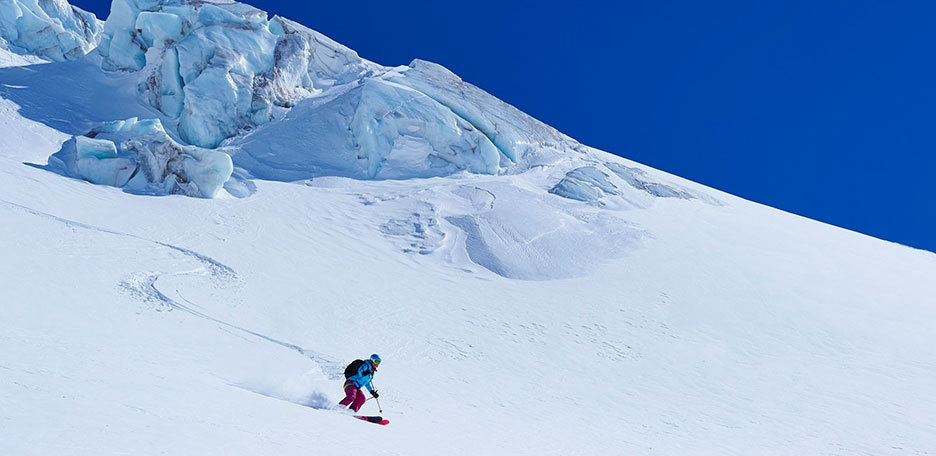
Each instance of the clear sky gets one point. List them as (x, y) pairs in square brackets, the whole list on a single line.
[(821, 108)]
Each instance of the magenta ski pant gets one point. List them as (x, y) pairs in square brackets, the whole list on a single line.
[(354, 397)]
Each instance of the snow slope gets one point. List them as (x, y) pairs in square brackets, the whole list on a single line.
[(572, 302)]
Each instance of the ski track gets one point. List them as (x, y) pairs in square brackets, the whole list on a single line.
[(329, 366), (216, 268), (143, 286)]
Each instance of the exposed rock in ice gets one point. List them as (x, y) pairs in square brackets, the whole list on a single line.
[(220, 67), (51, 29), (139, 156)]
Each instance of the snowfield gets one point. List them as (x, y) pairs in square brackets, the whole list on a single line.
[(528, 294)]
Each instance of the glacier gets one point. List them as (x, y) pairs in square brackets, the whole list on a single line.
[(51, 29), (293, 104), (219, 71), (218, 68), (376, 130), (518, 136), (139, 156), (419, 120)]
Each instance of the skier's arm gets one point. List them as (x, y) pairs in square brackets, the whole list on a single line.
[(366, 378)]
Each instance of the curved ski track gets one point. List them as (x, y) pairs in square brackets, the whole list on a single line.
[(142, 285)]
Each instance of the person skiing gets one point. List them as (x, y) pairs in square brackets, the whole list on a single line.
[(359, 373)]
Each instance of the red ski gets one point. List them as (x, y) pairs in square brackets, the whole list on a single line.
[(373, 419)]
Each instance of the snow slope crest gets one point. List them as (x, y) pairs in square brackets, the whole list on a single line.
[(51, 29)]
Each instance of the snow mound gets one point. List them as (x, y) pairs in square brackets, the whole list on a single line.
[(221, 67), (139, 156), (51, 29), (519, 234)]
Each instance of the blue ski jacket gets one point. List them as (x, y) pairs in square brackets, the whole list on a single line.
[(363, 376)]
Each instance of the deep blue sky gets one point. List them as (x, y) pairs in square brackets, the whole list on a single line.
[(821, 108)]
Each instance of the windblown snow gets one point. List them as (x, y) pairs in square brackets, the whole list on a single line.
[(205, 217)]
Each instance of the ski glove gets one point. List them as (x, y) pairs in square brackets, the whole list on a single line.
[(374, 393)]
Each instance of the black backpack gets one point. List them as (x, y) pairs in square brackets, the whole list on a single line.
[(352, 368)]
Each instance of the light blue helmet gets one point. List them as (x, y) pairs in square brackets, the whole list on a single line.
[(375, 359)]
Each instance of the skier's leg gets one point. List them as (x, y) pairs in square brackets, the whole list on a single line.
[(350, 393), (359, 400)]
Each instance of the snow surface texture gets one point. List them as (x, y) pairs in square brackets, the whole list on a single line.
[(140, 157), (686, 321), (51, 29)]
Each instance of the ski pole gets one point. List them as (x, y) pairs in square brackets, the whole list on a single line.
[(379, 409)]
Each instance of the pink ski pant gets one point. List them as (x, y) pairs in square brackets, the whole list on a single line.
[(353, 397)]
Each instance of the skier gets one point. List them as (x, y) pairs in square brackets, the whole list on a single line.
[(359, 373)]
